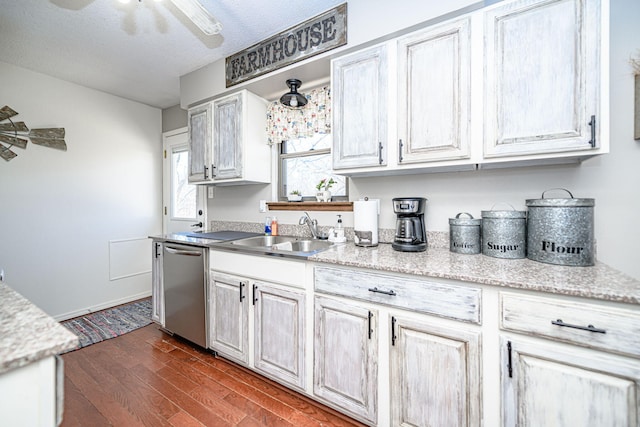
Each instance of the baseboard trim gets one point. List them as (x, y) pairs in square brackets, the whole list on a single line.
[(103, 306)]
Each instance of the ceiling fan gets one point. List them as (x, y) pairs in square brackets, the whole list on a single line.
[(200, 16)]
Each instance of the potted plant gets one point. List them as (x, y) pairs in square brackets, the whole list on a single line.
[(294, 196), (324, 194)]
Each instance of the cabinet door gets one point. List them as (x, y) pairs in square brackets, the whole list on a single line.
[(200, 143), (550, 385), (435, 375), (434, 94), (227, 137), (345, 357), (157, 288), (360, 109), (279, 333), (542, 77), (229, 316)]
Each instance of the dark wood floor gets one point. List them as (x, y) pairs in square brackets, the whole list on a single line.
[(148, 378)]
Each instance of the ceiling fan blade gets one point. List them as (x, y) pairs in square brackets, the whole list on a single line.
[(6, 112), (14, 140), (14, 127), (6, 154), (199, 16)]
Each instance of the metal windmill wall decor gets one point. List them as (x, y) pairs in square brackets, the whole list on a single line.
[(14, 134)]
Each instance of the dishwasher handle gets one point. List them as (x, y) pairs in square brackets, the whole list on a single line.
[(182, 251)]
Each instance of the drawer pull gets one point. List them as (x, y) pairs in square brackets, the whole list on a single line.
[(380, 291), (589, 328)]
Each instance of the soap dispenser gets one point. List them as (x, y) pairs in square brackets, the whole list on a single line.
[(338, 231)]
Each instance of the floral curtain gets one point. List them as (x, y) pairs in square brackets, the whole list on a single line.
[(285, 123)]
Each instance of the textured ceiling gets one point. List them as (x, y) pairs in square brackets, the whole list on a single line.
[(137, 51)]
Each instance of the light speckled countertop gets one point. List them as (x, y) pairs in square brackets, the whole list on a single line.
[(28, 334), (599, 281)]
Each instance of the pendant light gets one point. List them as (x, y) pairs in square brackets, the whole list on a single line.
[(292, 98)]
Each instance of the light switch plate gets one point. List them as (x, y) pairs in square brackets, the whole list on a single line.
[(211, 192), (263, 206)]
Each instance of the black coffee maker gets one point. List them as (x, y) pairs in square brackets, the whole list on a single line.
[(410, 233)]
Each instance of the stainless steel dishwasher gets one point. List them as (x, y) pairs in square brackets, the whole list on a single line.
[(185, 288)]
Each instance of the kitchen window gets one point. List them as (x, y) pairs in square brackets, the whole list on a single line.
[(303, 137), (303, 162)]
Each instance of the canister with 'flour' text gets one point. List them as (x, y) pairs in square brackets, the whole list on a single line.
[(504, 233), (464, 234), (560, 230)]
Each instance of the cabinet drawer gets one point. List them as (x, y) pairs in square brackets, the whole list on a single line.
[(271, 269), (456, 302), (589, 325)]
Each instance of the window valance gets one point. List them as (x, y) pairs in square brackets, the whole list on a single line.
[(284, 123)]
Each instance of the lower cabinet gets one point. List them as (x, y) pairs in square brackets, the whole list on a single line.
[(435, 375), (278, 326), (346, 356), (545, 384), (229, 316), (568, 362), (279, 333)]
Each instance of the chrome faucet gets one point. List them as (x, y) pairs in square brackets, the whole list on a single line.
[(312, 223)]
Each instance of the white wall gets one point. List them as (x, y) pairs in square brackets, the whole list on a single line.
[(60, 210), (612, 180)]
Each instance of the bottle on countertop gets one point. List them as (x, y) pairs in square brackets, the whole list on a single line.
[(274, 226), (267, 226), (337, 233)]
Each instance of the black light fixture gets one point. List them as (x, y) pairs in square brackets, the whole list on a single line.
[(293, 98)]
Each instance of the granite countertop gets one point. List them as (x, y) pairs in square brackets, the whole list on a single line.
[(28, 334), (598, 282)]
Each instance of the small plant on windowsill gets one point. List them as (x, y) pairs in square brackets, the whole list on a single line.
[(294, 196), (323, 187)]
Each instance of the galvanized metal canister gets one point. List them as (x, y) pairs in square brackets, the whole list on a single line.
[(560, 230), (464, 234), (504, 233)]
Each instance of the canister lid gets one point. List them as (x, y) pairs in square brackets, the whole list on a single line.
[(562, 202), (465, 221), (504, 214)]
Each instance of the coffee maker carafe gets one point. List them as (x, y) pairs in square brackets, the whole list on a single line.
[(410, 233)]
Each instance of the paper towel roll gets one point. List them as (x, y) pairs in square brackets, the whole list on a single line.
[(365, 222)]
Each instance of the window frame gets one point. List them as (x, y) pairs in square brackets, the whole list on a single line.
[(282, 195)]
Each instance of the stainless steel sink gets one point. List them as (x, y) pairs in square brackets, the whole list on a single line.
[(288, 246)]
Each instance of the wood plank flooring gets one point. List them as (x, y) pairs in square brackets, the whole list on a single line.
[(148, 378)]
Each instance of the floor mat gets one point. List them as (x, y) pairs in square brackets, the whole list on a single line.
[(110, 323)]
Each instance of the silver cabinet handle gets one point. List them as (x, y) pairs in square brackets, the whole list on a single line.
[(380, 291), (400, 145), (205, 172), (380, 153), (182, 252), (589, 328)]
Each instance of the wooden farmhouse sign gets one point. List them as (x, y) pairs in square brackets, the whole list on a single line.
[(316, 35)]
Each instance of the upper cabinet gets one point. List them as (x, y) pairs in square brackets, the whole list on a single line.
[(404, 104), (542, 78), (518, 82), (360, 108), (200, 143), (434, 87), (227, 140)]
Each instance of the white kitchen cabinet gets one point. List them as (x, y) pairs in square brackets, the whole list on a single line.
[(279, 333), (346, 357), (229, 316), (552, 385), (360, 104), (200, 154), (435, 375), (240, 151), (227, 141), (434, 365), (434, 94), (548, 380), (157, 285), (543, 79)]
